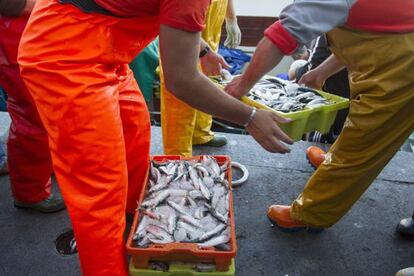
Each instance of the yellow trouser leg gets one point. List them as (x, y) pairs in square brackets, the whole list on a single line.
[(202, 130), (380, 119), (181, 124), (178, 122)]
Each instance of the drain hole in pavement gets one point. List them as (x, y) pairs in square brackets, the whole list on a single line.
[(66, 244)]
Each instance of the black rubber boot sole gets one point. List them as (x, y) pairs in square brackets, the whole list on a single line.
[(45, 211)]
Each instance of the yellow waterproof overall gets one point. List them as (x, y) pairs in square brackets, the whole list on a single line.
[(381, 117), (182, 125)]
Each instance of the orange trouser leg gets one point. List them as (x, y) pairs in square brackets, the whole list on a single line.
[(74, 65), (136, 127), (30, 166), (177, 122), (88, 152)]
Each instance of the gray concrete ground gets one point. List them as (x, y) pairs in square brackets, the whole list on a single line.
[(362, 243)]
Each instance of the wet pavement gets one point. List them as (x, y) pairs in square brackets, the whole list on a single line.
[(362, 243)]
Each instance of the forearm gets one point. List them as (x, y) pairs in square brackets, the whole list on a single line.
[(209, 98), (230, 13), (179, 54), (265, 58), (329, 67)]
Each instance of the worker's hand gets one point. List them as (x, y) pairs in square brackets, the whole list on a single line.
[(212, 63), (313, 79), (237, 88), (265, 130), (233, 34)]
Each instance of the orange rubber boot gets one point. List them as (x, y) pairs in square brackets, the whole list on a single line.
[(279, 216), (315, 156)]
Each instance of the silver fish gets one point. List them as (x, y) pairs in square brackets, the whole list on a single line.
[(203, 172), (204, 190), (180, 235), (194, 178), (208, 182), (215, 241), (207, 235), (144, 242), (199, 212), (195, 195), (190, 220), (177, 207), (172, 223)]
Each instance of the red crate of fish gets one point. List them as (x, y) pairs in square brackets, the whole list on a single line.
[(183, 251)]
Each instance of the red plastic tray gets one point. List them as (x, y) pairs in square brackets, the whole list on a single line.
[(183, 252)]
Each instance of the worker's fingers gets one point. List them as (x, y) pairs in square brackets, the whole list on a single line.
[(272, 144), (223, 63), (238, 41), (227, 42), (311, 79), (234, 89), (280, 119), (282, 136), (278, 132), (302, 80)]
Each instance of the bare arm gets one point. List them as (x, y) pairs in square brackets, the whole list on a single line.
[(179, 55), (211, 63), (265, 58), (317, 77), (330, 66), (230, 12), (179, 61), (233, 38)]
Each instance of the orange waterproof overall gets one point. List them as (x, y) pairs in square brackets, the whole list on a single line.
[(75, 66), (30, 166)]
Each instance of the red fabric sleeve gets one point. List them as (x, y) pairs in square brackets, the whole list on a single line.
[(283, 40), (187, 15)]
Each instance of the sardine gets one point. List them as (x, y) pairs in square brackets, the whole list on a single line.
[(216, 231), (180, 235), (190, 220), (204, 190), (203, 172), (194, 178), (159, 198), (177, 207), (222, 239), (172, 223), (208, 182)]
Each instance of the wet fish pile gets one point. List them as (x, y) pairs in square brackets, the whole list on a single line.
[(285, 96), (186, 201)]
